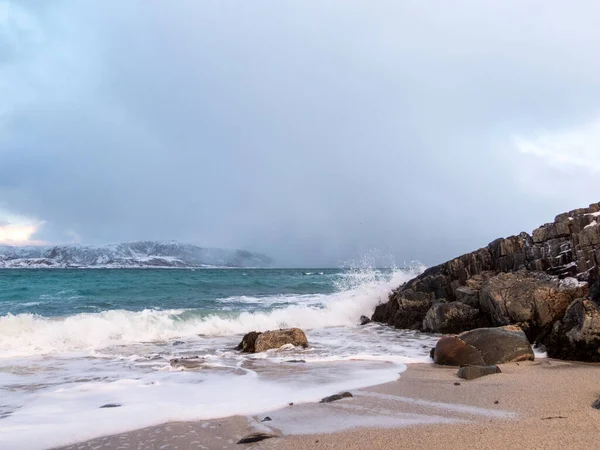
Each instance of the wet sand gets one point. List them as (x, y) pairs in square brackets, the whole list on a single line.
[(544, 404)]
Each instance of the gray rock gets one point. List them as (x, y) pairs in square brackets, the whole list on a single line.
[(451, 317), (364, 320), (472, 372)]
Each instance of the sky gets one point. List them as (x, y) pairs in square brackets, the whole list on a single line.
[(314, 132)]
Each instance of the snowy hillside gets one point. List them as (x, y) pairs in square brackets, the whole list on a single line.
[(128, 255)]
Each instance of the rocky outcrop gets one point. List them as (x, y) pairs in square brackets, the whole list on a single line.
[(484, 346), (255, 342), (529, 280), (577, 335)]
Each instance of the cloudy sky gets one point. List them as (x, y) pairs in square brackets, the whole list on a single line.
[(314, 132)]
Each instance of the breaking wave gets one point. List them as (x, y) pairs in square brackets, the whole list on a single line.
[(357, 294)]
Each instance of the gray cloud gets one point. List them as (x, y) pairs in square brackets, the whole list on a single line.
[(311, 132)]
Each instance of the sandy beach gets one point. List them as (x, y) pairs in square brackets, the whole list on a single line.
[(544, 404)]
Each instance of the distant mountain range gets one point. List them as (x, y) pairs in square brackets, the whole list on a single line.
[(144, 254)]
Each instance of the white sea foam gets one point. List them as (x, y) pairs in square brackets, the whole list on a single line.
[(58, 372), (28, 334)]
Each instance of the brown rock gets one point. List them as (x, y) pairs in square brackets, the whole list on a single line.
[(453, 351), (499, 345), (484, 346), (336, 397), (255, 342)]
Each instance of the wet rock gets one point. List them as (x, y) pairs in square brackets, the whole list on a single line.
[(472, 372), (193, 362), (296, 361), (255, 342), (111, 405), (248, 342), (484, 346), (453, 351), (596, 404), (266, 419), (256, 437), (577, 335), (336, 397), (452, 317), (178, 343), (364, 320)]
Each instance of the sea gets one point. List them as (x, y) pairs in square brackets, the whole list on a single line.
[(75, 340)]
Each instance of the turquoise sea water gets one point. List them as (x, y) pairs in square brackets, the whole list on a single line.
[(62, 292), (74, 340)]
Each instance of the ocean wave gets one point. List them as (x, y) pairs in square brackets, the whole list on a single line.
[(30, 334)]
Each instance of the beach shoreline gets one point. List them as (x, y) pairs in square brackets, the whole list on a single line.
[(541, 404)]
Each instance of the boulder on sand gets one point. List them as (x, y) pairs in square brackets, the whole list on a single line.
[(484, 346), (256, 342)]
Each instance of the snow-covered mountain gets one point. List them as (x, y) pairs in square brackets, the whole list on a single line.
[(128, 255)]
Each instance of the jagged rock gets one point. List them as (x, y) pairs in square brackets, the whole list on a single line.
[(577, 336), (484, 346), (451, 317), (364, 320), (256, 437), (468, 296), (472, 372), (525, 280), (255, 342), (336, 397), (532, 298)]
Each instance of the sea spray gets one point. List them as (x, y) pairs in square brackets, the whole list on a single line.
[(57, 370)]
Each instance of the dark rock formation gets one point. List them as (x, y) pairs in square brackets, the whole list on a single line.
[(577, 335), (472, 372), (255, 342), (336, 397), (452, 317), (528, 280), (364, 320), (111, 405), (484, 346), (256, 437)]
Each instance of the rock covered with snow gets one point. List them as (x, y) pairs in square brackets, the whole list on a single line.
[(143, 254)]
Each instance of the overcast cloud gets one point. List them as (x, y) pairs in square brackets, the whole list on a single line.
[(310, 131)]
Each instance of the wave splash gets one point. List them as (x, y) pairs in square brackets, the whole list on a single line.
[(358, 292)]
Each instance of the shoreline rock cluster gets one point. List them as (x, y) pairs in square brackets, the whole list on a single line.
[(547, 283)]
